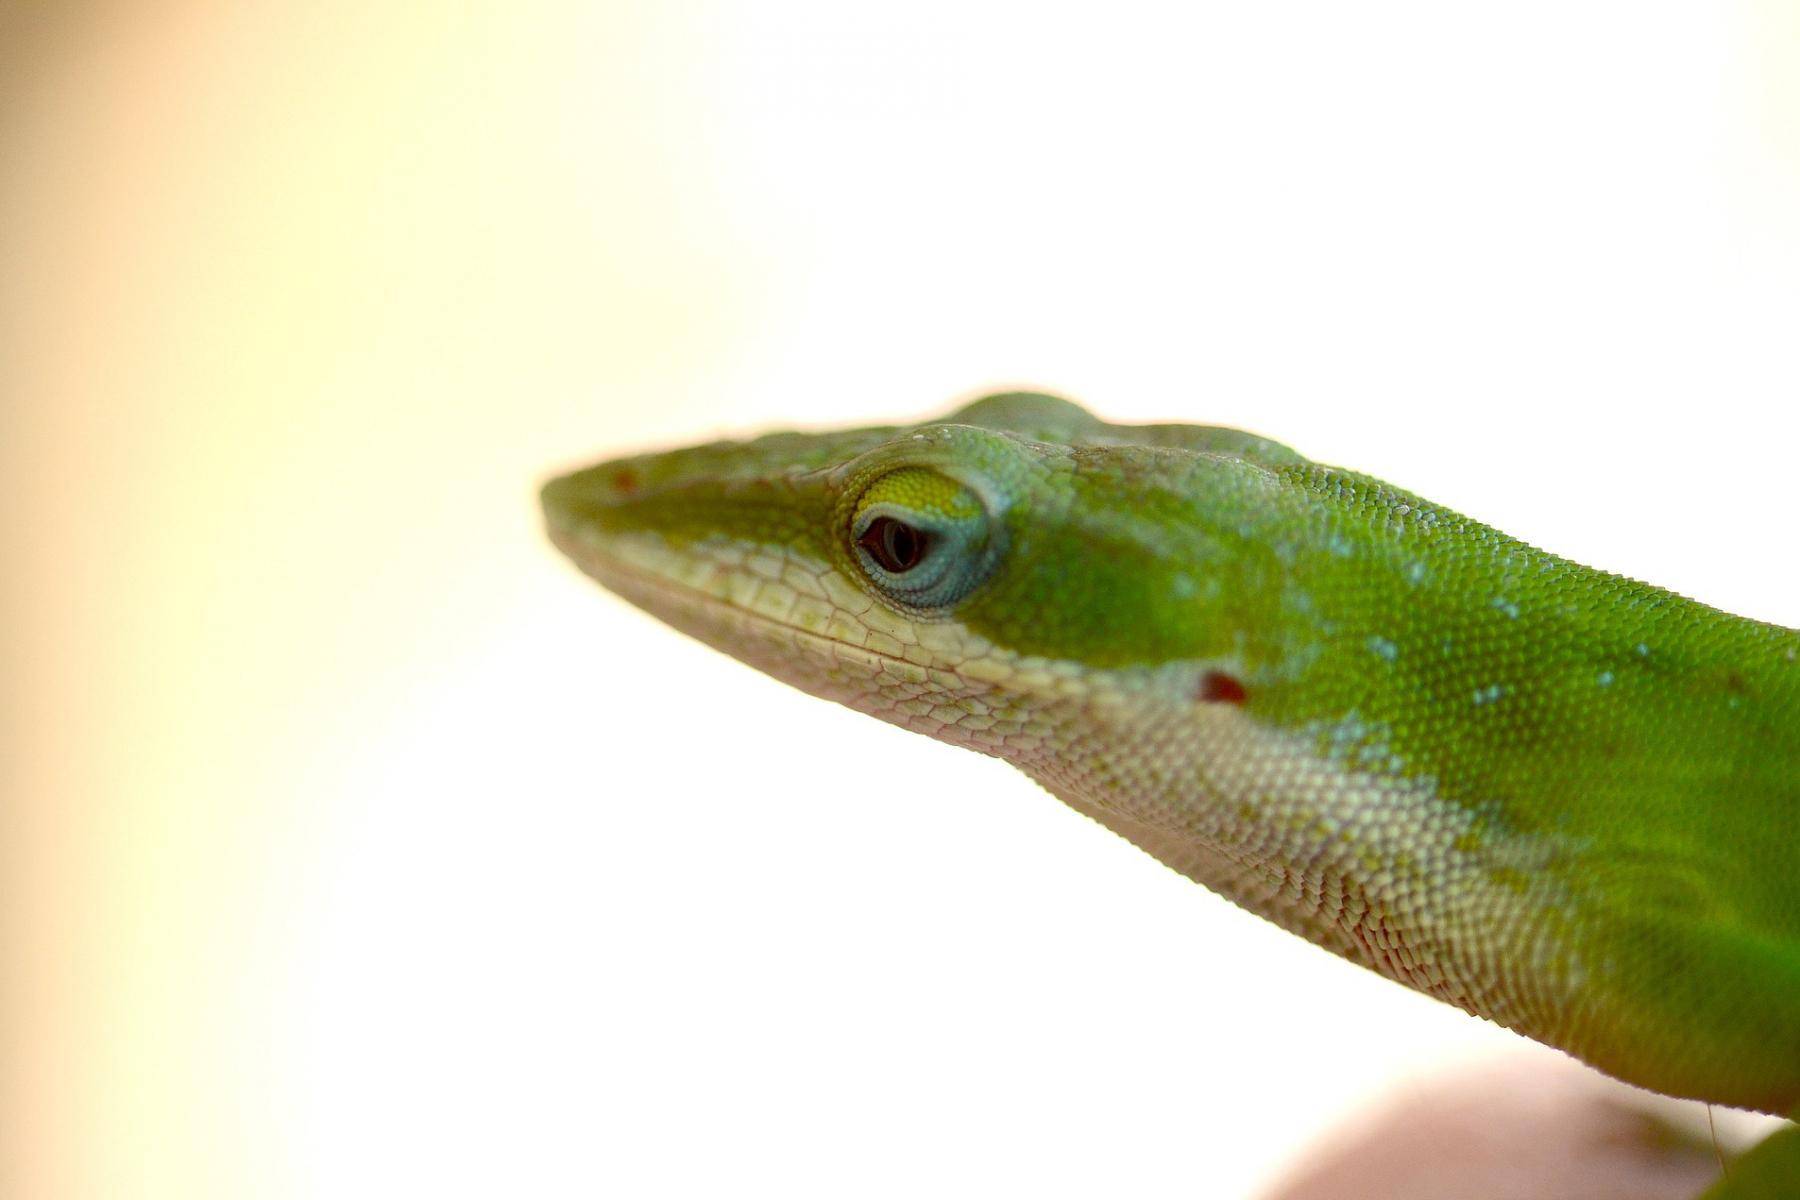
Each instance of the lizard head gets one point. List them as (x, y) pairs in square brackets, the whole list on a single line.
[(960, 577)]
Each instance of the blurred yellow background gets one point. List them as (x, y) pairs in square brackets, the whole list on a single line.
[(357, 848)]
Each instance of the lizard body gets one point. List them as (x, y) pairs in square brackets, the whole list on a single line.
[(1557, 798)]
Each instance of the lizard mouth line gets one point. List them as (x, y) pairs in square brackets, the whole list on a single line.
[(611, 568)]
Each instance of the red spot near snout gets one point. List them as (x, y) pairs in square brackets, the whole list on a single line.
[(625, 481), (1216, 687)]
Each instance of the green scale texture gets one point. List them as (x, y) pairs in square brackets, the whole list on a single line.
[(1558, 798)]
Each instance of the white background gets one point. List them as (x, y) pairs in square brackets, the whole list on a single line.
[(367, 850)]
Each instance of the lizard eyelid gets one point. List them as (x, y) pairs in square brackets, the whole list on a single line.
[(922, 539)]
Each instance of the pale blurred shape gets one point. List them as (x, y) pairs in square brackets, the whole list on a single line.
[(1535, 1126), (356, 848)]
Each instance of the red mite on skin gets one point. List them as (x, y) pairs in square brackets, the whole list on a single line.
[(1216, 687)]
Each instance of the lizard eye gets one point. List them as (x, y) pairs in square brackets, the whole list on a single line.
[(921, 538), (897, 546)]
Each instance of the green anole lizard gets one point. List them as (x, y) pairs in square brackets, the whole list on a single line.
[(1554, 797)]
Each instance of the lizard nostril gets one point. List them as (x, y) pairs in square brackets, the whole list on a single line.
[(624, 481), (1216, 687)]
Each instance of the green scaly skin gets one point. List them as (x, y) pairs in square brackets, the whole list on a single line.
[(1556, 798)]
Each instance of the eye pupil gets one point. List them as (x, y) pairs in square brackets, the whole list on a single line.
[(897, 546)]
